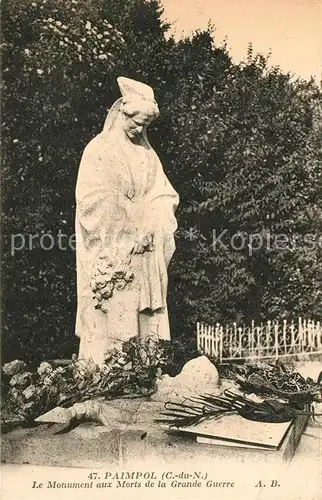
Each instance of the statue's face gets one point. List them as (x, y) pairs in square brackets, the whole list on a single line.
[(134, 125)]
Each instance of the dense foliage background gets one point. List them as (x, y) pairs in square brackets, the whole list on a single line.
[(242, 144)]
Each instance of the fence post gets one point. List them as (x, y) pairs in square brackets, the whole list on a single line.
[(268, 337), (238, 339), (313, 344), (292, 329), (240, 333), (198, 335), (203, 337), (312, 335), (258, 349), (276, 339), (309, 334), (221, 333), (218, 353), (249, 339), (213, 350), (318, 335), (252, 338), (304, 338), (284, 336), (230, 336)]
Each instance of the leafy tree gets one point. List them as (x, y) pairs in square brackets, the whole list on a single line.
[(255, 173), (59, 60)]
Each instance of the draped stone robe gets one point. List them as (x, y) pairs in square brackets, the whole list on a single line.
[(122, 193)]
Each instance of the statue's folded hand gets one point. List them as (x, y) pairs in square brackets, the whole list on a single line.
[(144, 243)]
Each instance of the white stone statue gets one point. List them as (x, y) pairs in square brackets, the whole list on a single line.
[(125, 226)]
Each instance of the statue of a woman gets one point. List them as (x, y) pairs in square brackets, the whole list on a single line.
[(125, 226)]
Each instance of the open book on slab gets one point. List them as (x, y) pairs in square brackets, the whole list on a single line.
[(234, 430)]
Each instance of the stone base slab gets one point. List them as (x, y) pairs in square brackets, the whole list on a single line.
[(133, 437)]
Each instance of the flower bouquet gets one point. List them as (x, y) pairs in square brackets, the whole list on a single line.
[(109, 276)]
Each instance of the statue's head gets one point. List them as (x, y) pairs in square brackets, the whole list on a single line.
[(134, 111), (138, 107), (137, 114)]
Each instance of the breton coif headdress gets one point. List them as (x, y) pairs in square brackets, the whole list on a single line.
[(132, 87), (128, 88)]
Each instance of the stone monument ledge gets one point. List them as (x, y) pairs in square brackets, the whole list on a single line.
[(132, 438)]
